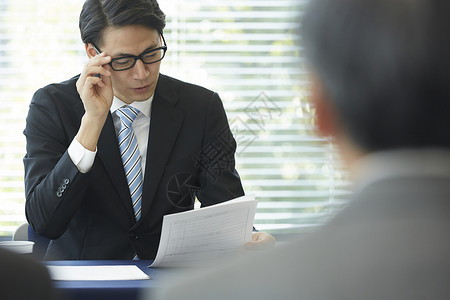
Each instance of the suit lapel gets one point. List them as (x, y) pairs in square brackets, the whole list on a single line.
[(108, 152), (165, 123)]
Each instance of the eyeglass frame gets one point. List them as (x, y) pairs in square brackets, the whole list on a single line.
[(163, 47)]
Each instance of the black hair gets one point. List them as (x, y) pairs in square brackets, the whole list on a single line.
[(385, 67), (97, 15)]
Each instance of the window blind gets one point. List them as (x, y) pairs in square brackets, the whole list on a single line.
[(39, 44), (247, 51)]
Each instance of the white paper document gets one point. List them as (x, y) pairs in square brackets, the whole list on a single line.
[(85, 273), (205, 234)]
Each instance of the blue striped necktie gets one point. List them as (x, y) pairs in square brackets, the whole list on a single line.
[(131, 157)]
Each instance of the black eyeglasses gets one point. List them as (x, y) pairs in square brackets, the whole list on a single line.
[(147, 57)]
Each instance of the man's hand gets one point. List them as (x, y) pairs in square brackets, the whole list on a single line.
[(260, 241), (97, 94)]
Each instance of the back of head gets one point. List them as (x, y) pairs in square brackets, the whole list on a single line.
[(97, 15), (384, 65), (24, 278)]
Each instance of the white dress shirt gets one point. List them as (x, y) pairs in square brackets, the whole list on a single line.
[(84, 159)]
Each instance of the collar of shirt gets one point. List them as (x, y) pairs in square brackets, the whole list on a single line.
[(143, 106)]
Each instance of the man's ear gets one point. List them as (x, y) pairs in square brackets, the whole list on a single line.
[(325, 114), (90, 51)]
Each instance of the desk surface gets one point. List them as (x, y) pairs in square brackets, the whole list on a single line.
[(117, 289)]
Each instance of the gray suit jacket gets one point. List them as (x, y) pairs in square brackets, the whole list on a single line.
[(391, 242)]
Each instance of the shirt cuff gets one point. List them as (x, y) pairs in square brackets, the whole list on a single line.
[(81, 157)]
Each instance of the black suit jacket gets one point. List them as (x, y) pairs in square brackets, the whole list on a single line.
[(90, 216)]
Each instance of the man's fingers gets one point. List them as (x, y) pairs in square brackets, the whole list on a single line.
[(107, 78), (260, 241), (93, 71), (94, 85), (96, 72), (86, 88), (98, 65), (100, 83)]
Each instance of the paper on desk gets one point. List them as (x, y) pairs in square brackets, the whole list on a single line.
[(207, 233), (85, 273)]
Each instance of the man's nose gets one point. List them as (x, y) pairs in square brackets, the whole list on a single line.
[(140, 70)]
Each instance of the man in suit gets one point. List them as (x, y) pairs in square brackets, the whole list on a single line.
[(380, 74), (23, 278), (80, 189)]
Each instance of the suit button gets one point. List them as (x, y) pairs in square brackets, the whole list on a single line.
[(58, 194), (66, 181)]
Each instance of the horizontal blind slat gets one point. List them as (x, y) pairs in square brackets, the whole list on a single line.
[(247, 51)]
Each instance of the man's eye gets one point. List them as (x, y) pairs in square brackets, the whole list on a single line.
[(123, 61), (150, 55)]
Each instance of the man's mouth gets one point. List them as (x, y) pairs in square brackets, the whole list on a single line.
[(141, 89)]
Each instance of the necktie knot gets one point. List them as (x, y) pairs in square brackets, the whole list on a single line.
[(127, 115)]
